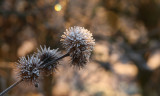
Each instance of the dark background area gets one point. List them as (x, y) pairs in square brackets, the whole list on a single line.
[(125, 60)]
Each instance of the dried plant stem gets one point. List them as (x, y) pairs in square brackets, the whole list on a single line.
[(10, 87), (51, 62)]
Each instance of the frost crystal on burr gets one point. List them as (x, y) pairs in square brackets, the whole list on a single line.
[(28, 69), (79, 43), (46, 55)]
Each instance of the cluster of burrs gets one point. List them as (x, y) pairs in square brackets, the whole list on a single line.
[(78, 43)]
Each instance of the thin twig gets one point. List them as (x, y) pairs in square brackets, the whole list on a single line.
[(51, 62), (10, 87)]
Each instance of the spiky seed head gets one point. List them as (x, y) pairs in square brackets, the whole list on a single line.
[(46, 55), (29, 69), (79, 43)]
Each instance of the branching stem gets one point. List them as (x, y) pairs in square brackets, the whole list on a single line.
[(41, 66)]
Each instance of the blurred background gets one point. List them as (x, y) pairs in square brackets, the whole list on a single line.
[(125, 60)]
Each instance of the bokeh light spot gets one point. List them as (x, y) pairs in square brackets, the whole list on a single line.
[(57, 7)]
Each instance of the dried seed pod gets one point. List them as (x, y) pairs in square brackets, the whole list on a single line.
[(46, 55), (79, 43), (29, 69)]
